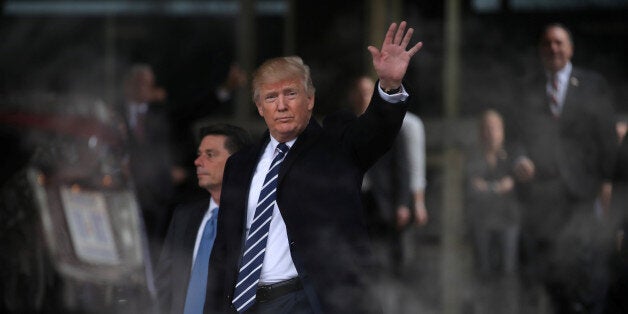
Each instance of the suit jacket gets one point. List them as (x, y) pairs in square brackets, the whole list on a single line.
[(175, 262), (572, 154), (150, 162), (578, 148), (389, 181), (318, 195)]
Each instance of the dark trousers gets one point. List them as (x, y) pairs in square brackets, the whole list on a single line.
[(568, 254), (291, 303)]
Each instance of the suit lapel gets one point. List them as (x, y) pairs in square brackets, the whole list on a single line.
[(305, 139), (191, 231), (538, 101), (244, 170), (572, 93)]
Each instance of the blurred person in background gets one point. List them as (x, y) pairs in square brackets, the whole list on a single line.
[(617, 302), (404, 165), (565, 150), (492, 205), (413, 138), (150, 151), (180, 276), (414, 133), (386, 199)]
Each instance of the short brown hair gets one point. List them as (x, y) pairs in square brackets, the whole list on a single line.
[(237, 137)]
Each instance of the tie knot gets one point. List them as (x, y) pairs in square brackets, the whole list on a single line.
[(555, 81), (282, 148)]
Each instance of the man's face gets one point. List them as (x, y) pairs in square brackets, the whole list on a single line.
[(285, 107), (141, 86), (210, 163), (555, 49)]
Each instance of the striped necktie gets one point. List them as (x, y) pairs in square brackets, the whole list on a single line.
[(255, 244), (195, 297)]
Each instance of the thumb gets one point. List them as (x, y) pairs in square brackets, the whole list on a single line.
[(374, 51)]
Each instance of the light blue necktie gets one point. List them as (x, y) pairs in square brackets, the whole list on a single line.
[(255, 244), (195, 297)]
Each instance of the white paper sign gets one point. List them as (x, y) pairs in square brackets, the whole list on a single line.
[(90, 228)]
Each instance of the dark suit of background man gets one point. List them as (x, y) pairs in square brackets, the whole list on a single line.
[(180, 249), (149, 151), (317, 255), (564, 166)]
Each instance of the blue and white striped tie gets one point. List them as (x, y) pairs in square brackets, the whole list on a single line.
[(255, 244)]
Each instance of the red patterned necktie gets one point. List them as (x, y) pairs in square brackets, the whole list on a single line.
[(553, 96)]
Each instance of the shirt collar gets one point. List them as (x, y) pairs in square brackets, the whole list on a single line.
[(212, 205), (273, 143), (562, 74)]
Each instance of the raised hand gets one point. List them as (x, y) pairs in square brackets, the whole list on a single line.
[(391, 62)]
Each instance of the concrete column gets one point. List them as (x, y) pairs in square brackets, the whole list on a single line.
[(454, 258), (290, 28), (380, 13), (246, 43)]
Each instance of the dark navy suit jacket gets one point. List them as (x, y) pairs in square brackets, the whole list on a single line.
[(318, 195), (579, 147)]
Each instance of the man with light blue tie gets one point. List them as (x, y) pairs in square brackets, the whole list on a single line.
[(182, 267)]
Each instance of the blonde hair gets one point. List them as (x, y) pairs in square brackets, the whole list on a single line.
[(277, 69)]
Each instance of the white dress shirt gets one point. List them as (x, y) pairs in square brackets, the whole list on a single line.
[(135, 109), (414, 132), (278, 265), (562, 77)]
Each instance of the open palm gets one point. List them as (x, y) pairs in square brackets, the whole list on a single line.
[(391, 62)]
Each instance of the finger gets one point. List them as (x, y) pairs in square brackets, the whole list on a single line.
[(407, 37), (399, 34), (390, 34), (415, 48)]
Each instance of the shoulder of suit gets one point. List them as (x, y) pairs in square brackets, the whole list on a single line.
[(193, 205), (590, 81), (338, 118), (246, 151), (586, 74)]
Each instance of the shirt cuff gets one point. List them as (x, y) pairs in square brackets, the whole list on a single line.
[(394, 98)]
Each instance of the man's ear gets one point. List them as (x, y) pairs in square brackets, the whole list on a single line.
[(310, 104), (259, 109)]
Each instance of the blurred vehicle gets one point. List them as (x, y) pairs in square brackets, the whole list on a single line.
[(71, 235)]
